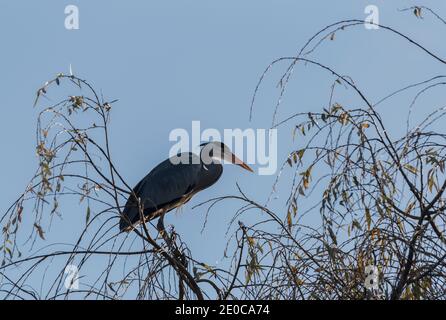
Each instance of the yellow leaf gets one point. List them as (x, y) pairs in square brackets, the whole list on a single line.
[(410, 168), (400, 225), (306, 183), (431, 183), (410, 207)]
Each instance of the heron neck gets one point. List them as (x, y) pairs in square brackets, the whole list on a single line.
[(210, 173)]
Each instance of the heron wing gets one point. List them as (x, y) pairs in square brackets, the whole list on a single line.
[(162, 188)]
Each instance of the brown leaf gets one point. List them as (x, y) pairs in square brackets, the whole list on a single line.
[(19, 213), (39, 231), (289, 220), (368, 218)]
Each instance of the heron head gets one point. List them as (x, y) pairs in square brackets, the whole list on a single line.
[(218, 151)]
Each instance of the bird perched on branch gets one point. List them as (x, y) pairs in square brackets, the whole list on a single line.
[(175, 181)]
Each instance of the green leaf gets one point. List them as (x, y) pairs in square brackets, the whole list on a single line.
[(356, 224)]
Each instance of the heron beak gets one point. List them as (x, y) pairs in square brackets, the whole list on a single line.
[(240, 163)]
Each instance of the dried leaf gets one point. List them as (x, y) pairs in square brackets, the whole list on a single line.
[(40, 231), (368, 218), (289, 220), (410, 168)]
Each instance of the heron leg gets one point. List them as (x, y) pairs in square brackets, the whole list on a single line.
[(160, 224)]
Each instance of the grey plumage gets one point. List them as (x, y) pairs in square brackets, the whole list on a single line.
[(168, 186)]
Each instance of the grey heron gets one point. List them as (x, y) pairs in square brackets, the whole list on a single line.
[(171, 184)]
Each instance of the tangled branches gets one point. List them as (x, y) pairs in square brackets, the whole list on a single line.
[(359, 197)]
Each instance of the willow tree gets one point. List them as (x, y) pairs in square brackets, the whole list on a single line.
[(376, 202)]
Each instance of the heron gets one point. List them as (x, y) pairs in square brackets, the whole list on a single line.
[(175, 181)]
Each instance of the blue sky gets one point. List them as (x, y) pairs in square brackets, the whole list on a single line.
[(172, 62)]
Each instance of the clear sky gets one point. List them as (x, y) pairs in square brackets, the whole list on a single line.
[(172, 62)]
